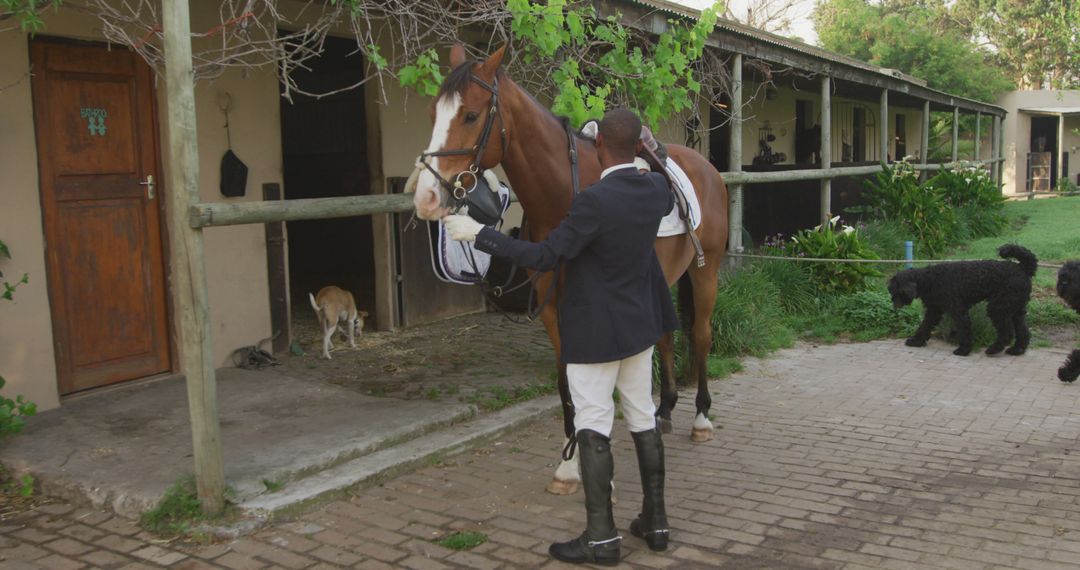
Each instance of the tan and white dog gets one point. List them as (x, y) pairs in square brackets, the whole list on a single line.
[(333, 304)]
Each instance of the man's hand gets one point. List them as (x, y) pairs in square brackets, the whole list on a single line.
[(462, 228)]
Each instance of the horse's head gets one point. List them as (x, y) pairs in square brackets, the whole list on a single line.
[(469, 134)]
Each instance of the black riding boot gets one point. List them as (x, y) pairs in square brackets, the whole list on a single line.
[(651, 524), (599, 544)]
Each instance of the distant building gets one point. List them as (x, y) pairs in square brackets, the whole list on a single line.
[(1042, 133)]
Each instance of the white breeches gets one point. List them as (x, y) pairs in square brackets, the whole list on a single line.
[(592, 385)]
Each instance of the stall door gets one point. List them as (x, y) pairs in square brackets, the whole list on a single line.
[(94, 117)]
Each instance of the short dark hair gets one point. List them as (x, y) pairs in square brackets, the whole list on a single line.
[(621, 129)]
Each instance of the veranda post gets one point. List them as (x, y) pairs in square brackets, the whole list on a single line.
[(189, 266)]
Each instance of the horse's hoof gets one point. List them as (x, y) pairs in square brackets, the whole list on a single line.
[(665, 425), (703, 429), (562, 487)]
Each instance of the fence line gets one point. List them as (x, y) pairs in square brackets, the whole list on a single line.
[(881, 261), (212, 214)]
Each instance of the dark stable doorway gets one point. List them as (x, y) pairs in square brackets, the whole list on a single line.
[(324, 147), (720, 134)]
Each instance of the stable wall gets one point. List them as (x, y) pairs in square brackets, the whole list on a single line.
[(1017, 131), (235, 257), (775, 108)]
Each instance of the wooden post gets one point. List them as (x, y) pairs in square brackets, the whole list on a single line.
[(925, 158), (978, 133), (189, 269), (955, 133), (884, 137), (826, 146), (1061, 148), (735, 215), (999, 153)]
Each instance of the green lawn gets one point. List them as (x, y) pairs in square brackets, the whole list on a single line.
[(1050, 228)]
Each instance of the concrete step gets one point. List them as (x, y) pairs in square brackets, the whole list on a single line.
[(334, 482)]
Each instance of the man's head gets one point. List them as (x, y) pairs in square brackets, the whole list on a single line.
[(618, 138)]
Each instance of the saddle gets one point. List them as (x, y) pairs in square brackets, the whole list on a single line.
[(655, 154)]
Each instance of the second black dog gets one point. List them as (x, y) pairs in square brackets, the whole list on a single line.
[(1068, 288), (953, 288)]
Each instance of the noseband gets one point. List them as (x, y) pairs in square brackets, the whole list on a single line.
[(458, 190)]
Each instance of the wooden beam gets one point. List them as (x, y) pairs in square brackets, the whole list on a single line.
[(188, 262), (1061, 147), (233, 213), (735, 212), (826, 147), (925, 132), (215, 214), (383, 237), (978, 133), (999, 152), (884, 129), (955, 133)]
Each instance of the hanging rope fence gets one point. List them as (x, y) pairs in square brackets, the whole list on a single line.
[(879, 261)]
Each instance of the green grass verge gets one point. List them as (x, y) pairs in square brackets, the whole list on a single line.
[(179, 511), (764, 306), (1047, 227), (462, 540)]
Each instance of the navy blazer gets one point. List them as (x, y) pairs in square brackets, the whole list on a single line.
[(615, 301)]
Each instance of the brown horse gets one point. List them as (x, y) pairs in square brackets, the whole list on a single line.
[(483, 119)]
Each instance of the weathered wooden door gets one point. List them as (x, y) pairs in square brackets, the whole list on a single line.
[(97, 152)]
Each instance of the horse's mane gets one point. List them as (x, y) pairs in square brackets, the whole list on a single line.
[(459, 79)]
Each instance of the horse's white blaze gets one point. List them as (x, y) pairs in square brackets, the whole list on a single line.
[(427, 199)]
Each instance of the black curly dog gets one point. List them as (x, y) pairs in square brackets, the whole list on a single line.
[(953, 288), (1068, 288)]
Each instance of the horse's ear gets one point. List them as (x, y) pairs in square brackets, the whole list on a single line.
[(457, 55), (489, 67)]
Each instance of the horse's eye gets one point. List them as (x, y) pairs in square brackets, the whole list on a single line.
[(470, 117)]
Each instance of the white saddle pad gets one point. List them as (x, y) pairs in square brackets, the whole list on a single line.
[(671, 224), (458, 261)]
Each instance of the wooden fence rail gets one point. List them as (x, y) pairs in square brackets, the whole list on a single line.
[(212, 214)]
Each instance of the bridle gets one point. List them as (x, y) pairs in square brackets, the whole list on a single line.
[(457, 191)]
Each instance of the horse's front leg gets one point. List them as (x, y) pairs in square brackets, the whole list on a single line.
[(567, 477), (669, 393)]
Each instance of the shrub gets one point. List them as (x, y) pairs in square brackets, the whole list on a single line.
[(870, 314), (795, 284), (979, 205), (895, 194), (885, 237), (828, 242), (747, 317)]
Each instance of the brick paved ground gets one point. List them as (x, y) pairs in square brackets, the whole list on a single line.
[(848, 457)]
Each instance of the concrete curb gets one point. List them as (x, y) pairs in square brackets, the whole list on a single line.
[(369, 469)]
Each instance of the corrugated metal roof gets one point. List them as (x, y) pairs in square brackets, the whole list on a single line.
[(762, 36), (1052, 110)]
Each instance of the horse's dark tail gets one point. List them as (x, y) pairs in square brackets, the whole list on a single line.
[(1027, 260), (686, 317)]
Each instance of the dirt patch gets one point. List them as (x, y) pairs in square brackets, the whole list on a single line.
[(480, 358)]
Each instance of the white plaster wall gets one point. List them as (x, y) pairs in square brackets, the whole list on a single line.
[(26, 345), (235, 257), (1017, 133)]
